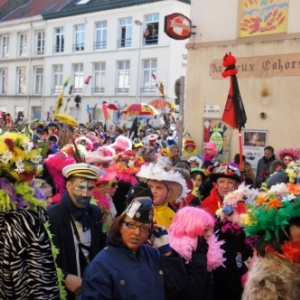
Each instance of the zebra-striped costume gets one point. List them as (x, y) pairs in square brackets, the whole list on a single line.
[(27, 268)]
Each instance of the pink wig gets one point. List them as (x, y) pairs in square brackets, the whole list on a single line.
[(187, 226)]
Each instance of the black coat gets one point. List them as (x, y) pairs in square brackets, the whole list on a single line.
[(60, 227), (199, 280)]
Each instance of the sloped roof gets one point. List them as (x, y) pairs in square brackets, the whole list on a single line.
[(34, 8), (73, 8)]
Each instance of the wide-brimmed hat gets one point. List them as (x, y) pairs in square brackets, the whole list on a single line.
[(170, 178), (82, 170), (288, 152), (103, 154), (107, 176), (227, 171), (122, 142)]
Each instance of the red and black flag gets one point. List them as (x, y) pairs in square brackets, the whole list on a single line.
[(234, 113)]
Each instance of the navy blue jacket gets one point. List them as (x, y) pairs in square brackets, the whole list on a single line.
[(118, 273)]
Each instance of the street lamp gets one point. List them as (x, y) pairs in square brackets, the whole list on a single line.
[(139, 23)]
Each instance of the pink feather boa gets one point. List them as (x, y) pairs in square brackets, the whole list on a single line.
[(184, 246), (102, 201), (55, 163)]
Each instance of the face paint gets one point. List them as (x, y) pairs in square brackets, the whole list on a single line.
[(82, 200), (85, 193)]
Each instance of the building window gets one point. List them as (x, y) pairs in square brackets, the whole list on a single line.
[(38, 80), (151, 31), (39, 42), (101, 35), (123, 77), (79, 37), (59, 40), (22, 44), (149, 75), (78, 78), (5, 46), (125, 33), (3, 81), (21, 80), (57, 79), (99, 77), (36, 112)]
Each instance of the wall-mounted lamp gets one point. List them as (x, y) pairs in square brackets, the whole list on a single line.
[(263, 115)]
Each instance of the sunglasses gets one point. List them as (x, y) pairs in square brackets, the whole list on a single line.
[(288, 159), (114, 185)]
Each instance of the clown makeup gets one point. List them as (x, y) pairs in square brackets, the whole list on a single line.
[(84, 187), (287, 160)]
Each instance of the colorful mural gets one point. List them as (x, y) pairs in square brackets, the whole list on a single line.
[(260, 17)]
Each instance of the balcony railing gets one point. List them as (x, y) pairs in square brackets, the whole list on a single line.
[(100, 45), (148, 89), (122, 90), (58, 49), (122, 43), (98, 90), (56, 90), (39, 52), (152, 40), (78, 47), (77, 90)]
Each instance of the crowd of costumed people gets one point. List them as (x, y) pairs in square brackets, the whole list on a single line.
[(96, 212)]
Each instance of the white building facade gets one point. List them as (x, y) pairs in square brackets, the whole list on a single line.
[(38, 55)]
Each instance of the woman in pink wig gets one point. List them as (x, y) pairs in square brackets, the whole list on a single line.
[(191, 236)]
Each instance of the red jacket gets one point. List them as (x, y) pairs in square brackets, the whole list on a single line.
[(213, 202)]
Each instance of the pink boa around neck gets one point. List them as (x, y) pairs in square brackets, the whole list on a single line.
[(185, 245)]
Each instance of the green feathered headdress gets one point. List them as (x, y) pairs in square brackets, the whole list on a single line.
[(272, 210)]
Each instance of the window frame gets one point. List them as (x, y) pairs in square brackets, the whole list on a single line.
[(149, 87), (59, 40), (22, 44), (5, 46), (100, 43), (40, 49), (78, 79), (57, 77), (21, 86), (125, 32), (99, 77), (79, 37), (123, 85), (3, 81), (38, 84)]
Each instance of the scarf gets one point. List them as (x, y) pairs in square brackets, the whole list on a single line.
[(291, 251), (163, 215), (80, 214)]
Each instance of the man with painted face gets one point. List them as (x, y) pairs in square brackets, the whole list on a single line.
[(76, 225)]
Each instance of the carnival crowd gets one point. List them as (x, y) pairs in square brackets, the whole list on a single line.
[(100, 212)]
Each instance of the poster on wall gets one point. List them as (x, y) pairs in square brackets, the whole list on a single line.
[(217, 131), (254, 142), (263, 17)]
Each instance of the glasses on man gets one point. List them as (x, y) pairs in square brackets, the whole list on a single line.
[(142, 228)]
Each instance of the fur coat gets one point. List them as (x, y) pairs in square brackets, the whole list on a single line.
[(273, 278)]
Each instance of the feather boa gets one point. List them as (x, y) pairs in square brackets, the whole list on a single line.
[(55, 163), (184, 246)]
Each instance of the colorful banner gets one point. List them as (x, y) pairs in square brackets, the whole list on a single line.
[(261, 17), (214, 130)]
